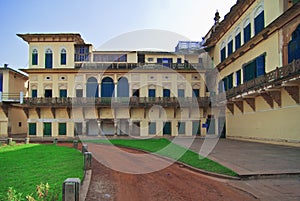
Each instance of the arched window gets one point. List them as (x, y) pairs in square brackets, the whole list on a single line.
[(259, 20), (247, 30), (294, 46), (92, 87), (34, 57), (237, 38), (230, 46), (48, 58), (63, 57), (107, 87), (123, 87), (223, 51)]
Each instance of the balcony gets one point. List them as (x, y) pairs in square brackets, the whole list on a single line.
[(143, 66), (269, 80), (201, 102)]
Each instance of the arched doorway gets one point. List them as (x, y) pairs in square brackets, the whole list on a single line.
[(294, 46), (92, 87), (123, 87), (107, 87)]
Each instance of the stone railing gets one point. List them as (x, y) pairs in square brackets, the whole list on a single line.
[(273, 78), (119, 101), (143, 66)]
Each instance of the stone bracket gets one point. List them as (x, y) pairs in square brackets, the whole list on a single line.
[(251, 103), (276, 95), (230, 107), (293, 92), (69, 112), (240, 105), (38, 111), (268, 99), (5, 110), (26, 111), (53, 112)]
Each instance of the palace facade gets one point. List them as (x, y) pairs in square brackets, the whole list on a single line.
[(256, 49), (75, 90)]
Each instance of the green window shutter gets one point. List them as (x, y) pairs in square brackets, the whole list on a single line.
[(62, 129), (47, 129), (63, 93), (32, 128), (196, 128)]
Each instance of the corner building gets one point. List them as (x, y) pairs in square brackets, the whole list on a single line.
[(256, 49), (75, 90)]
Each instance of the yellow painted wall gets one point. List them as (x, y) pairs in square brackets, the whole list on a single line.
[(17, 120), (56, 49), (266, 123), (273, 9)]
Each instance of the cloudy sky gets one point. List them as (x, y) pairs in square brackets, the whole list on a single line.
[(100, 21)]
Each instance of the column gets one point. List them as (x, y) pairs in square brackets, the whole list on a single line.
[(116, 90), (84, 127), (99, 126), (116, 126)]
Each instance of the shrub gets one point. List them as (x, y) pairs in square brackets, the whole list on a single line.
[(42, 193)]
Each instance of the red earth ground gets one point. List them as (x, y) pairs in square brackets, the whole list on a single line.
[(171, 183)]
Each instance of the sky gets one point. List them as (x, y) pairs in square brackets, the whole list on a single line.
[(101, 21)]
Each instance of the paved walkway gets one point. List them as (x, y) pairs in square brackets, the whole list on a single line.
[(251, 158), (248, 158)]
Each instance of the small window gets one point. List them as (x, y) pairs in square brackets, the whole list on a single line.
[(180, 92), (62, 129), (259, 20), (79, 93), (48, 58), (152, 128), (230, 47), (238, 41), (20, 124), (238, 77), (166, 93), (150, 59), (48, 93), (32, 128), (223, 54), (195, 92), (63, 57), (47, 129), (34, 57), (63, 93), (196, 128), (247, 33), (151, 93), (33, 93), (181, 128)]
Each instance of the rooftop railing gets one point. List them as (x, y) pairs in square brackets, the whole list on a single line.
[(143, 66), (119, 102)]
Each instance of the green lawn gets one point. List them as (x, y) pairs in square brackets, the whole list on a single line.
[(25, 166), (164, 147)]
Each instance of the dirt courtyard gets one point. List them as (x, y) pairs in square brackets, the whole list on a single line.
[(171, 183)]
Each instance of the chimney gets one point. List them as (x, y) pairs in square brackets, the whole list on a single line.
[(5, 65)]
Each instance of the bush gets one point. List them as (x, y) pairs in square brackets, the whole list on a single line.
[(42, 194)]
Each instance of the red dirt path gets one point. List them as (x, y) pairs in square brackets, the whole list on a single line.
[(173, 183)]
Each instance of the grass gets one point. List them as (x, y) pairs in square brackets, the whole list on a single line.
[(23, 167), (166, 148)]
